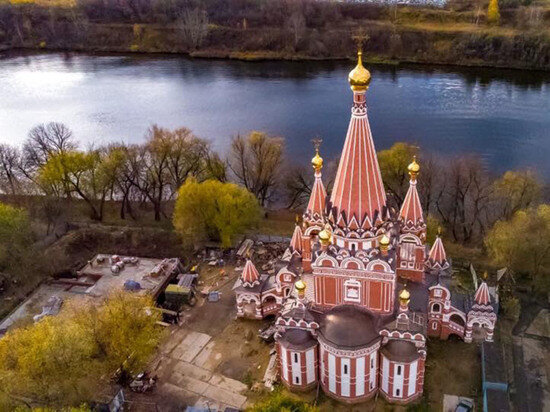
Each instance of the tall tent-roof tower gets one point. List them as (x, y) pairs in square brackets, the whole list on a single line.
[(411, 216), (358, 199), (437, 258), (316, 206)]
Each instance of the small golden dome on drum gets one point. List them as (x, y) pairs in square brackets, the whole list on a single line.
[(413, 168), (325, 237), (404, 295), (317, 161), (359, 78), (384, 241), (300, 285)]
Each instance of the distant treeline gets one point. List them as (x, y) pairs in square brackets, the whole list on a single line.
[(250, 29)]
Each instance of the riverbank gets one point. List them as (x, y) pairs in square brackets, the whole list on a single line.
[(457, 34), (461, 45)]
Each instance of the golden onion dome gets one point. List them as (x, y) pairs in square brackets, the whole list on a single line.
[(325, 236), (413, 168), (317, 161), (384, 240), (359, 77), (300, 285), (404, 297)]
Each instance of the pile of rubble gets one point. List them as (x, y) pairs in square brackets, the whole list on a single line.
[(264, 255)]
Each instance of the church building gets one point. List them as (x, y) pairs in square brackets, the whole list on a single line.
[(358, 291)]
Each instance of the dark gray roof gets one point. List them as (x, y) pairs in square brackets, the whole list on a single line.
[(400, 351), (297, 339), (266, 282), (419, 295), (298, 313), (349, 327)]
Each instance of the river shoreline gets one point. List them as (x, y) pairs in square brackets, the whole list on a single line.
[(265, 56)]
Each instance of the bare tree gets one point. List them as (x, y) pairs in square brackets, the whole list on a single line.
[(256, 162), (9, 169), (463, 198), (297, 24), (43, 142), (193, 25)]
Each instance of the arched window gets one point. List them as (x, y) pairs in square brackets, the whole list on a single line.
[(436, 307)]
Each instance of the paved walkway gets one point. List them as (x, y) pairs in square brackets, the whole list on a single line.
[(185, 369)]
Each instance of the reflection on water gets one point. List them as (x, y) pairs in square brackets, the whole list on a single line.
[(503, 115)]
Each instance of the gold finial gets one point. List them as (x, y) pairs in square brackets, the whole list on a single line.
[(359, 77), (439, 231), (317, 161), (297, 218), (413, 168), (300, 285), (404, 296), (325, 235), (485, 275), (384, 242)]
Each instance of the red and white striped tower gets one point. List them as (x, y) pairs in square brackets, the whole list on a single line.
[(354, 262), (412, 253), (314, 216), (437, 258), (296, 241), (481, 317), (358, 200), (410, 215), (250, 276)]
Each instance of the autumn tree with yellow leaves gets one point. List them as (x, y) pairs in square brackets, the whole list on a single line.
[(493, 12), (61, 360), (522, 244), (213, 210)]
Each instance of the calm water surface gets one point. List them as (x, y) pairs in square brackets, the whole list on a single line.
[(502, 115)]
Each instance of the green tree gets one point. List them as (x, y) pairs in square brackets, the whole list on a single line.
[(214, 210), (523, 244), (393, 166), (85, 175), (62, 360), (15, 237), (493, 12)]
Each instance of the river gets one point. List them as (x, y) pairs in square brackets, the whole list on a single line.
[(502, 115)]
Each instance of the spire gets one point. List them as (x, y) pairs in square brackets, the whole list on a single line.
[(411, 210), (296, 241), (316, 206), (250, 276), (437, 259), (358, 196), (482, 296)]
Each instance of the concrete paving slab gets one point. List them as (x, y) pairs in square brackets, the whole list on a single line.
[(206, 359), (191, 346), (226, 383), (191, 384), (174, 340), (185, 396), (224, 396), (188, 369)]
